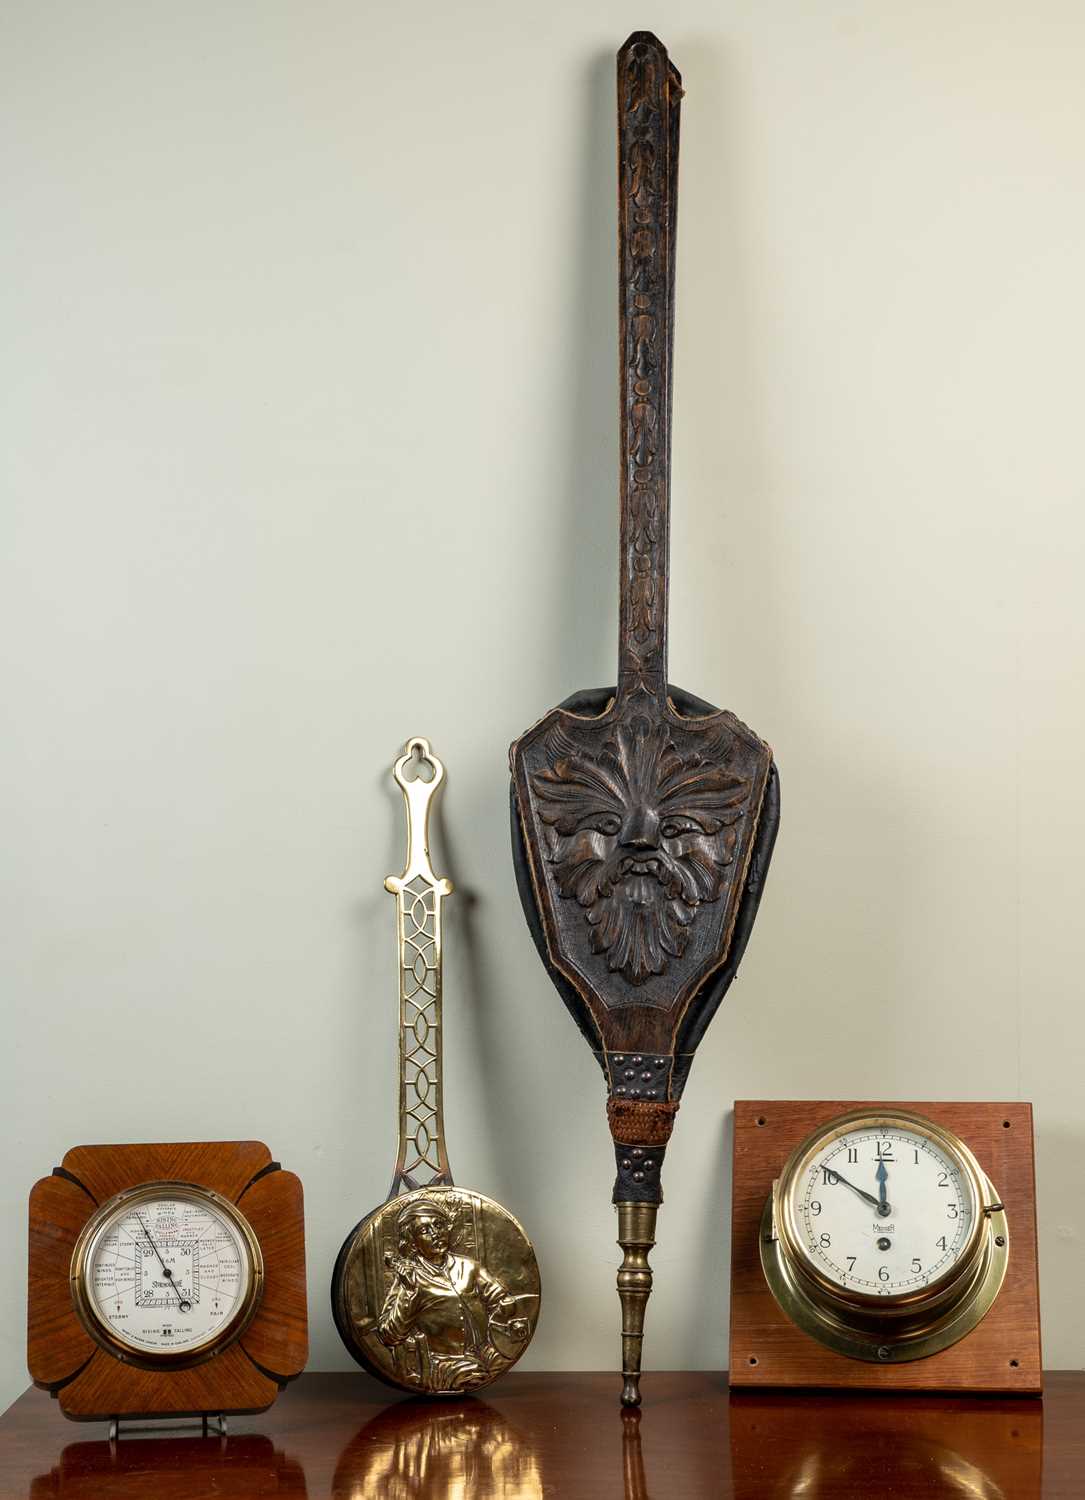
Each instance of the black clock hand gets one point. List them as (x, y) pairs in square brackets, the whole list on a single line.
[(183, 1305), (881, 1174), (878, 1203)]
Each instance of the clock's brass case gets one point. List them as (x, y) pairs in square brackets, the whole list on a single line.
[(107, 1337), (885, 1330)]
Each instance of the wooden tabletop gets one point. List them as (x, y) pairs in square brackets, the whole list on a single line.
[(343, 1435)]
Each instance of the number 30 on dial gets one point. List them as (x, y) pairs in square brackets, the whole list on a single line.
[(883, 1238)]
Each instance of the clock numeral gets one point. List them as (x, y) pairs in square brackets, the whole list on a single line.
[(883, 1273), (851, 1262), (815, 1207), (853, 1154), (952, 1211), (917, 1265), (885, 1151), (915, 1153), (941, 1243), (824, 1240), (831, 1179), (943, 1179)]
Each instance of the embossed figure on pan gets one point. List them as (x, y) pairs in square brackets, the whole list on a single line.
[(444, 1305)]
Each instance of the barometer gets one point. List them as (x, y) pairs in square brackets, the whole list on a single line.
[(166, 1280), (883, 1238)]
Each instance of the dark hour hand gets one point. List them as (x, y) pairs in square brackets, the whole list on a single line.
[(881, 1174), (868, 1197)]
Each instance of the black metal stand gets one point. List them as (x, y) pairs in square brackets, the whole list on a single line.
[(212, 1424)]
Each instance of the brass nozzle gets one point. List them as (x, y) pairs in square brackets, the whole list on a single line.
[(636, 1236)]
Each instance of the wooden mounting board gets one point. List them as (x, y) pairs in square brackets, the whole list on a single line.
[(91, 1383), (767, 1349)]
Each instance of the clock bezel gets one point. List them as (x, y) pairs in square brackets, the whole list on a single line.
[(107, 1337), (884, 1328), (785, 1209)]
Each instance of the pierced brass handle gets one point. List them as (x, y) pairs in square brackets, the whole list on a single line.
[(422, 1160)]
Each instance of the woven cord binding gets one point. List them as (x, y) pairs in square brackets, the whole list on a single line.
[(641, 1122)]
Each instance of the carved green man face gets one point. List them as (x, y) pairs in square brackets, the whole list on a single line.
[(640, 836)]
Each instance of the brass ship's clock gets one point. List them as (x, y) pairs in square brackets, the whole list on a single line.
[(883, 1238), (884, 1246)]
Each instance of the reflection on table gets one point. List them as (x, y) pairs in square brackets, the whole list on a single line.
[(794, 1447), (461, 1449), (536, 1435), (246, 1467)]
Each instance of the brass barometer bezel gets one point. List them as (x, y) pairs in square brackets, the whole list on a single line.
[(895, 1327), (114, 1342)]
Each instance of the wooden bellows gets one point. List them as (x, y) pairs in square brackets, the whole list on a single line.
[(643, 819)]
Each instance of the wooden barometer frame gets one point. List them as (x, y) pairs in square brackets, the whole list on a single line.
[(93, 1383)]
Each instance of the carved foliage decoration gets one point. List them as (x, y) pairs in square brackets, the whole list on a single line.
[(640, 835), (645, 189)]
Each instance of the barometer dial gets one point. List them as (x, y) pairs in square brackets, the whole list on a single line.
[(167, 1273)]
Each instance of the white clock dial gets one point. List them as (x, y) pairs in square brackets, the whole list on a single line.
[(883, 1210), (167, 1272)]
